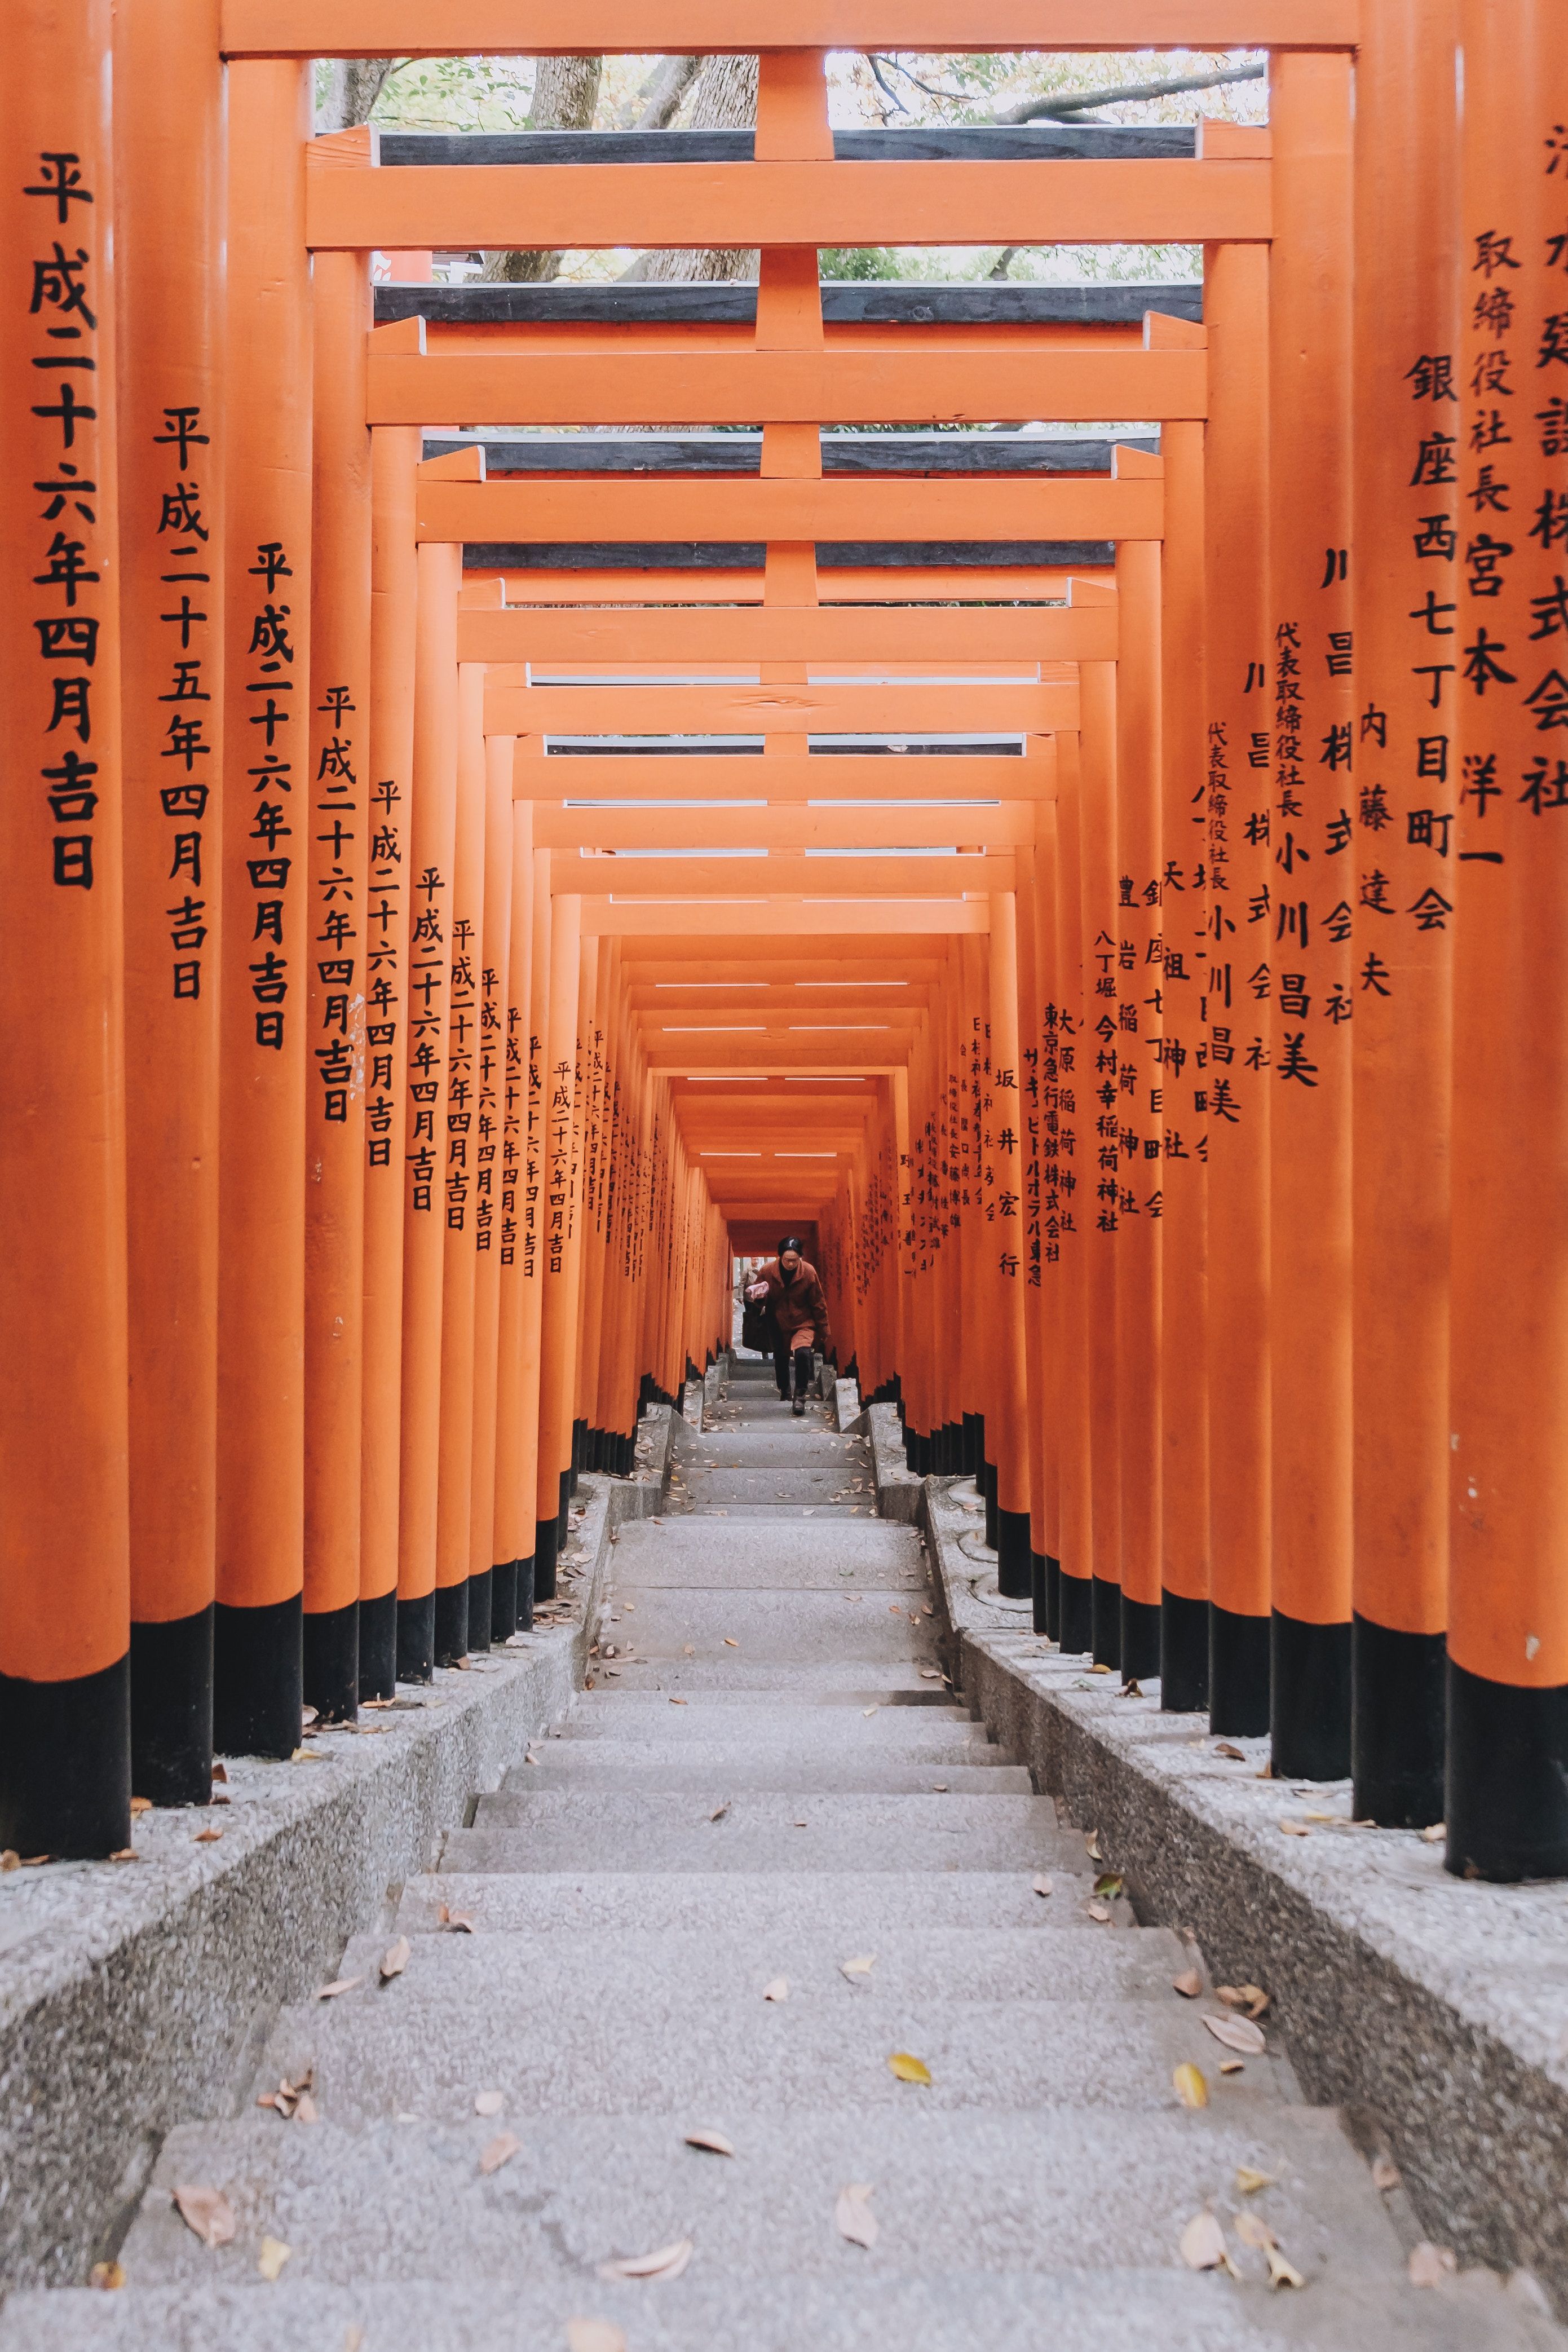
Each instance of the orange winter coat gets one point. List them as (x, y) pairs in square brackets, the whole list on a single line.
[(794, 1306)]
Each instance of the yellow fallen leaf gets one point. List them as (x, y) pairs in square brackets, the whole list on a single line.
[(1189, 1984), (1191, 2087), (10, 1859), (1203, 2244), (1434, 1834), (1249, 1997), (106, 2275), (338, 1985), (730, 1643), (908, 2069), (668, 2262), (1099, 1670), (861, 1965), (1250, 2182), (1043, 1885), (1280, 2272), (489, 2103), (274, 2254), (854, 2216), (714, 2142), (1431, 2265), (207, 2212), (1238, 2033), (499, 2151), (594, 2336), (394, 1959), (777, 1989), (306, 1756)]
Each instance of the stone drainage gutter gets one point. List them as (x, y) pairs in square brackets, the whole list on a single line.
[(1435, 2012), (136, 1996)]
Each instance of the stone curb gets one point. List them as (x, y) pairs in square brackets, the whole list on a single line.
[(1435, 2012), (135, 1998)]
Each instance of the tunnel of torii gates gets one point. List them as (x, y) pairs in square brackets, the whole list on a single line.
[(1109, 889)]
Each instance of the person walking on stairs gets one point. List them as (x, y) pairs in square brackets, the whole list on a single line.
[(786, 1287)]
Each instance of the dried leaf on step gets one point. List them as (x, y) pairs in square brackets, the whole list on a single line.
[(1224, 1748), (908, 2069), (1097, 1912), (778, 1988), (457, 1923), (594, 2336), (489, 2103), (1253, 2230), (499, 2151), (1108, 1884), (220, 1771), (730, 1643), (1238, 2033), (338, 1985), (688, 1650), (1233, 2066), (126, 1854), (306, 2110), (861, 1965), (207, 2212), (274, 2254), (868, 1710), (720, 1811), (1091, 1846), (930, 1673), (668, 2262), (939, 1787), (1249, 1997), (1099, 1670), (1043, 1885), (1203, 2244), (1385, 2174), (106, 2275), (1295, 1829), (1434, 1834), (1249, 2181), (677, 1702), (1190, 2086), (394, 1959), (854, 2215), (10, 1859), (206, 1837), (1189, 1984), (1280, 2272), (1431, 2265), (714, 2142)]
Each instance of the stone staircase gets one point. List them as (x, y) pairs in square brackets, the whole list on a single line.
[(764, 1855)]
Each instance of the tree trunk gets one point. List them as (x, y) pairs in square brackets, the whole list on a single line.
[(566, 94), (722, 96), (353, 85)]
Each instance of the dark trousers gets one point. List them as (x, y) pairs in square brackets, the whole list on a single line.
[(781, 1355)]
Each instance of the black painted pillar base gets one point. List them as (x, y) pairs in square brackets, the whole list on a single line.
[(172, 1710), (330, 1676), (567, 1489), (451, 1621), (479, 1610), (986, 1480), (1309, 1714), (547, 1551), (1507, 1780), (503, 1601), (65, 1765), (1015, 1561), (1398, 1702), (971, 1445), (1040, 1591), (259, 1667), (1140, 1659), (1076, 1633), (525, 1568), (1107, 1608), (1238, 1673), (1184, 1655), (416, 1639), (378, 1646), (1050, 1571)]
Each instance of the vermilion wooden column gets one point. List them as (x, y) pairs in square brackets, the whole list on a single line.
[(1508, 1621), (433, 839), (558, 1079), (1067, 1080), (492, 1583), (454, 1502), (1044, 1327), (64, 1590), (1407, 420), (1002, 1142), (1103, 1057), (394, 600), (169, 100), (1031, 1269), (1233, 1082), (513, 1573), (336, 865), (1311, 906), (265, 1014)]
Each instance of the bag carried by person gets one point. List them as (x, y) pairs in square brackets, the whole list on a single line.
[(757, 1328)]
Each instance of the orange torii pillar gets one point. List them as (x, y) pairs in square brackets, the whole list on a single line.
[(1231, 1086), (394, 602), (1105, 978), (65, 1571), (512, 1573), (169, 109), (432, 845), (1002, 1145), (1408, 696), (1306, 945), (1508, 1615), (336, 871), (492, 1579), (553, 1481), (1067, 1080), (265, 1012), (1036, 862)]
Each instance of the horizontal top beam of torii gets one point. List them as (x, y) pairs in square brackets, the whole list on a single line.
[(369, 28)]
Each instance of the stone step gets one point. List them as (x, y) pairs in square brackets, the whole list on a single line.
[(824, 1510), (681, 1552), (777, 1482), (813, 1696), (860, 2310), (744, 1448), (720, 1778), (921, 1751), (761, 1830), (710, 1715), (849, 1680), (1032, 2193), (862, 1909), (401, 2048)]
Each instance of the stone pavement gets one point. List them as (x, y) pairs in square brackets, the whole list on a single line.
[(762, 1856)]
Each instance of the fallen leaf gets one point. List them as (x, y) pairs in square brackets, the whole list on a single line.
[(306, 2110), (730, 1643), (714, 2142), (10, 1859), (868, 1710), (140, 1805), (1203, 2244), (1385, 2174), (1280, 2272), (777, 1989), (1434, 1834), (1233, 2066), (1191, 2087), (930, 1673), (1224, 1748), (206, 1837), (688, 1650), (939, 1787), (861, 1965), (799, 1825), (274, 2254), (1249, 1997), (395, 1959), (908, 2069), (126, 1854), (667, 2263), (1132, 1690), (338, 1985), (594, 2336), (207, 2212), (1097, 1912), (1189, 1984), (1108, 1884), (1043, 1885), (1431, 2265), (220, 1771), (1253, 2230), (720, 1811), (456, 1922), (854, 2216), (1238, 2033), (499, 2151), (678, 1702), (489, 2103), (306, 1756), (107, 2275), (1091, 1846), (1295, 1829), (1249, 2182), (1099, 1670)]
